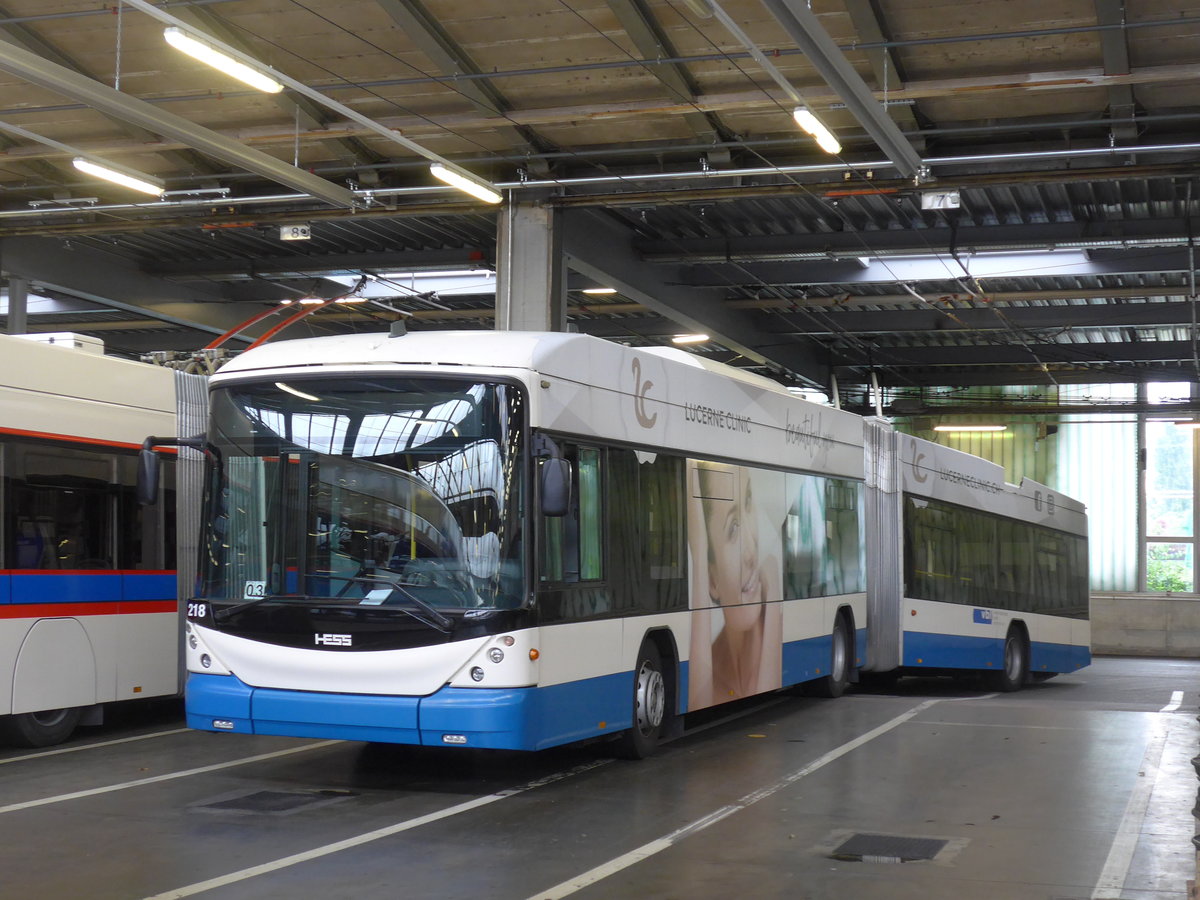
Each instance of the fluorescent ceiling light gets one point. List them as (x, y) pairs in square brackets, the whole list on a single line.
[(312, 301), (599, 290), (295, 393), (689, 339), (810, 123), (351, 300), (210, 55), (476, 188), (139, 182), (970, 428)]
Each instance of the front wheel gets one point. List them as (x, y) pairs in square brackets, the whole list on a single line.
[(834, 684), (649, 706), (39, 729)]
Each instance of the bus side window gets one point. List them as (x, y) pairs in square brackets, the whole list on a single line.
[(572, 545)]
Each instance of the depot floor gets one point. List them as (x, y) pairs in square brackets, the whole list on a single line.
[(1080, 787)]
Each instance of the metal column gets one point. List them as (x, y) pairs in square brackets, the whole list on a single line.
[(531, 274)]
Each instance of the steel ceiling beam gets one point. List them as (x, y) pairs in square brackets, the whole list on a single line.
[(311, 116), (819, 48), (651, 43), (600, 249), (102, 278), (1016, 354), (61, 80), (453, 62)]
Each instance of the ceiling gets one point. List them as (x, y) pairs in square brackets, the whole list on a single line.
[(1014, 201)]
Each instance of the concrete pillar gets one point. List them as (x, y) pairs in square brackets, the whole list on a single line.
[(531, 273), (18, 297)]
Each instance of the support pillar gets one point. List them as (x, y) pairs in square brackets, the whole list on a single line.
[(18, 299), (531, 271)]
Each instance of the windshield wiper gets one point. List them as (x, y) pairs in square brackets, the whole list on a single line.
[(432, 617)]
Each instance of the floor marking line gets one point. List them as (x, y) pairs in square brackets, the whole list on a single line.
[(169, 776), (1120, 854), (367, 837), (76, 749), (604, 870), (1176, 702)]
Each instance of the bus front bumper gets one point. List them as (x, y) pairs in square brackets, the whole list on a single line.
[(497, 719)]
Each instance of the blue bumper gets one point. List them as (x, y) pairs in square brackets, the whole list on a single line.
[(496, 719)]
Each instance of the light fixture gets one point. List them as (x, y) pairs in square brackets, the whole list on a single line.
[(970, 428), (295, 393), (210, 55), (689, 339), (310, 301), (108, 172), (351, 300), (599, 290), (814, 126), (475, 187)]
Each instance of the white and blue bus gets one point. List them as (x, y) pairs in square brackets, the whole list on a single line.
[(518, 540), (515, 540), (974, 574), (88, 610)]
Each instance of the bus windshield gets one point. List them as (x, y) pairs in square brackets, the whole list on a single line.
[(375, 490)]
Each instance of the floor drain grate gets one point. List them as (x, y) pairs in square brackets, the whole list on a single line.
[(277, 803), (888, 848)]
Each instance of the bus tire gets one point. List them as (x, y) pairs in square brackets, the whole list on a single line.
[(649, 706), (39, 729), (840, 654), (1015, 672)]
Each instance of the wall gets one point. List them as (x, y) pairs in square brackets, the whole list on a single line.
[(1146, 625)]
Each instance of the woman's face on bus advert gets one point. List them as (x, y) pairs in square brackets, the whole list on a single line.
[(734, 570)]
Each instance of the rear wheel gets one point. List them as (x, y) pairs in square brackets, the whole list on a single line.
[(649, 706), (1016, 664), (39, 729), (834, 684)]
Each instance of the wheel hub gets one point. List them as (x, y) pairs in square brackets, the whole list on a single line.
[(651, 698)]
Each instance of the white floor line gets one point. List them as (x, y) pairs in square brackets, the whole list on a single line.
[(1120, 854), (358, 840), (604, 870), (1176, 702), (76, 749), (169, 776)]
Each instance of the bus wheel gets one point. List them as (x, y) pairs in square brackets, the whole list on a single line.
[(649, 706), (834, 684), (1016, 664), (39, 729)]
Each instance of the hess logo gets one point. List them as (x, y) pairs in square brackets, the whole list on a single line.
[(332, 640)]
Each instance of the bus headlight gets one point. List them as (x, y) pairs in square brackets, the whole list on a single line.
[(476, 673), (206, 660), (496, 655)]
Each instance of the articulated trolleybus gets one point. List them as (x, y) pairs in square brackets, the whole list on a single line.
[(517, 540), (88, 610), (969, 573)]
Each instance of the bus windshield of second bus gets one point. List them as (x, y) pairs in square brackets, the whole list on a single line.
[(389, 492)]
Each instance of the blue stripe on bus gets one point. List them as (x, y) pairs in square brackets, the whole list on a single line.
[(100, 586), (1058, 657), (500, 719), (950, 651), (148, 585)]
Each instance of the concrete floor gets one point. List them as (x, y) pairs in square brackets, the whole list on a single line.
[(1081, 787)]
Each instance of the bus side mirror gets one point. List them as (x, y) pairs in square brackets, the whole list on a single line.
[(147, 473), (555, 487)]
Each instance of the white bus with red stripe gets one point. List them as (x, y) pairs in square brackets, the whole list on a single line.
[(88, 609)]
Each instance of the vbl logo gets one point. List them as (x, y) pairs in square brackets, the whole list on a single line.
[(983, 617)]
